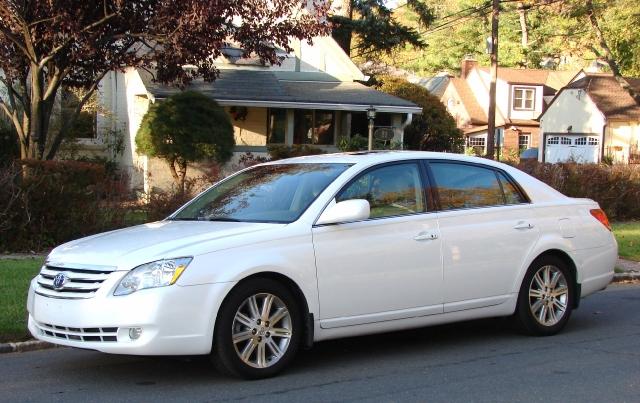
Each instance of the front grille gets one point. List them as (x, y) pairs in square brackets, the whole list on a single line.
[(80, 282), (99, 334)]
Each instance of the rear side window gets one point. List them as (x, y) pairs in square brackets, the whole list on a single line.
[(511, 193), (466, 186)]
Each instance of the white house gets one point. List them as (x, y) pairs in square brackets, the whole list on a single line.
[(314, 90), (591, 119)]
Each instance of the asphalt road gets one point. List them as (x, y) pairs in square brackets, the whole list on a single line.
[(596, 358)]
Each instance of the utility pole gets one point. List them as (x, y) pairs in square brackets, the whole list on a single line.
[(491, 126)]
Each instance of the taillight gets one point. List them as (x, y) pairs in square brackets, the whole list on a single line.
[(601, 216)]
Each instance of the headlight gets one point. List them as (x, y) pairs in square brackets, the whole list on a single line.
[(150, 275)]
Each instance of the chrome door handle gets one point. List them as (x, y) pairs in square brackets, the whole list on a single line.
[(426, 236), (523, 225)]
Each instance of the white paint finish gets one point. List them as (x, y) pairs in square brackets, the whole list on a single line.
[(567, 229), (393, 271), (357, 278), (484, 250)]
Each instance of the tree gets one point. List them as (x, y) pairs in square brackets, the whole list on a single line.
[(434, 129), (375, 27), (184, 128), (46, 44)]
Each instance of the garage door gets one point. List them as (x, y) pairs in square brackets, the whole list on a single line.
[(578, 148)]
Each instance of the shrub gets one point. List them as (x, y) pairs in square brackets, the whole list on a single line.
[(354, 143), (50, 202), (615, 187), (279, 151), (186, 127)]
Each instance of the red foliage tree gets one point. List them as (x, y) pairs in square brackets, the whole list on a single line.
[(45, 44)]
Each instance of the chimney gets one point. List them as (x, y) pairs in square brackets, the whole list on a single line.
[(468, 64)]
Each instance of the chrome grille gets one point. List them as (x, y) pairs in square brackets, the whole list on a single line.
[(81, 282), (99, 334)]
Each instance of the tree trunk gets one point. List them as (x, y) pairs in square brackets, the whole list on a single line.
[(524, 30), (342, 35), (178, 168), (613, 65)]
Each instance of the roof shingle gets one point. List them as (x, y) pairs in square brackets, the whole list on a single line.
[(612, 100)]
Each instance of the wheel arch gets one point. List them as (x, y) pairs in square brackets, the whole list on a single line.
[(571, 265), (299, 295)]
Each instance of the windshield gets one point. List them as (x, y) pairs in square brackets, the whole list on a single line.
[(269, 193)]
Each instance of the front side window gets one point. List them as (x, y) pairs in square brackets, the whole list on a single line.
[(523, 98), (277, 193), (466, 186), (391, 190)]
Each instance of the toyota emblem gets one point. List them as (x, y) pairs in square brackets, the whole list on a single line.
[(59, 281)]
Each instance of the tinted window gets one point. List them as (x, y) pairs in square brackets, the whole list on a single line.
[(466, 186), (511, 193), (390, 190), (268, 193)]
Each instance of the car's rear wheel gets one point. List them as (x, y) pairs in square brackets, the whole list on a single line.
[(545, 299), (258, 329)]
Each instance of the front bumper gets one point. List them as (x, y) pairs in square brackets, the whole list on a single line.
[(175, 320)]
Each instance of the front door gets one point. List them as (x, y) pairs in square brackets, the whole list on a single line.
[(387, 267)]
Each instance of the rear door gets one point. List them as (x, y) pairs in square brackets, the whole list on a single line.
[(487, 228)]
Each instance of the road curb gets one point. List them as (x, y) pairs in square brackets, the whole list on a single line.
[(625, 277), (23, 346)]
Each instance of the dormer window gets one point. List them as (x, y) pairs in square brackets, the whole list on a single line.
[(523, 98)]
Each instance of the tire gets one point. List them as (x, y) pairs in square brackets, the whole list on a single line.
[(249, 343), (545, 298)]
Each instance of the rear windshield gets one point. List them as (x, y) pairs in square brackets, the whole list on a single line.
[(268, 193)]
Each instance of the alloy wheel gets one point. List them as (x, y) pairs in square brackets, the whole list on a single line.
[(261, 330), (548, 295)]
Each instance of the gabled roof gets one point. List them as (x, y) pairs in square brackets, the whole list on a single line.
[(477, 115), (287, 90), (610, 98), (549, 78)]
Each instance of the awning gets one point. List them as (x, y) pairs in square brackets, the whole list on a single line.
[(298, 90)]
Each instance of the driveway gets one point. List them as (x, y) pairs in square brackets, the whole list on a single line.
[(596, 358)]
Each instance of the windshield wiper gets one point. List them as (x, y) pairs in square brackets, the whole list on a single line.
[(183, 219), (228, 219)]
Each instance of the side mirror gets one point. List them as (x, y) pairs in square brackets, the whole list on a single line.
[(345, 211)]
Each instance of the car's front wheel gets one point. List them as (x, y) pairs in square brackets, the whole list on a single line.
[(544, 302), (258, 329)]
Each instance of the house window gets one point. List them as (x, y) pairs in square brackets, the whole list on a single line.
[(594, 141), (553, 140), (524, 141), (276, 126), (580, 141), (523, 98), (313, 127), (565, 141), (476, 142)]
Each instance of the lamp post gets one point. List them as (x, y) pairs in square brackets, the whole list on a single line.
[(371, 115)]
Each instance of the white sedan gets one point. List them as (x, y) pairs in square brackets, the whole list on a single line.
[(290, 252)]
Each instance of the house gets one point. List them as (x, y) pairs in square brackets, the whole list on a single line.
[(314, 97), (521, 96), (592, 119)]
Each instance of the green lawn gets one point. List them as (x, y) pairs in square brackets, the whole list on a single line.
[(15, 276), (628, 237)]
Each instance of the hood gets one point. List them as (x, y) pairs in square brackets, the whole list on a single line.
[(129, 247)]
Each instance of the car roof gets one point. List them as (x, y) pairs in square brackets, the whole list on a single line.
[(535, 189), (376, 157)]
